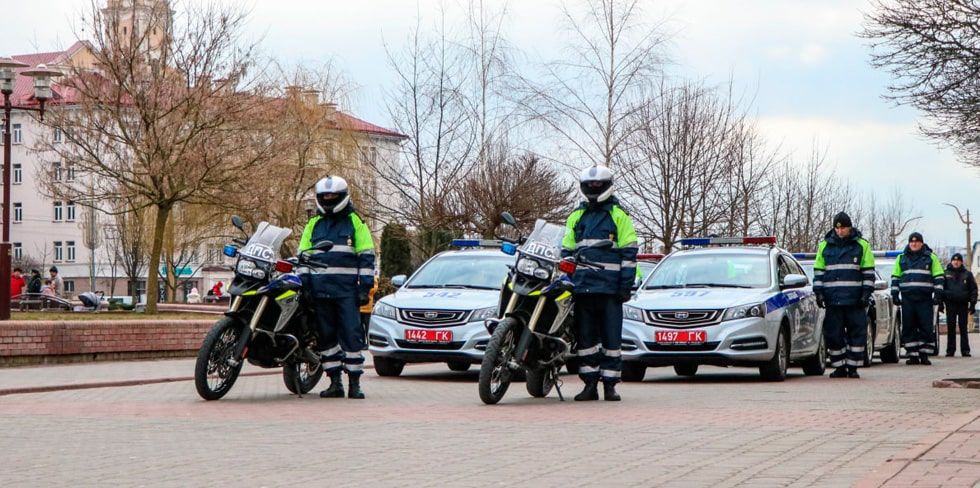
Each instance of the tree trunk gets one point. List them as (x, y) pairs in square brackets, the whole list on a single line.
[(153, 268)]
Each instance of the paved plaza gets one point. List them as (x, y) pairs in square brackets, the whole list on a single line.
[(723, 427)]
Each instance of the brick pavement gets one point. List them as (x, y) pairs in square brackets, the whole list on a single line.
[(428, 428)]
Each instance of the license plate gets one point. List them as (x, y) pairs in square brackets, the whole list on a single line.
[(427, 335), (681, 336)]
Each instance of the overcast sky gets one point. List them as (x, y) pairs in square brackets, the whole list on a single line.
[(798, 59)]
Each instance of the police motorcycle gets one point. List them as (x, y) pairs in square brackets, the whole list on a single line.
[(267, 322), (534, 335)]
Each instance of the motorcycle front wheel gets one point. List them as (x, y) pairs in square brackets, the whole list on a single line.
[(214, 374), (495, 375)]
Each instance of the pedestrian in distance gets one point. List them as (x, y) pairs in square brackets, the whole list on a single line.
[(17, 282), (57, 284), (34, 283), (917, 286), (600, 293), (959, 299), (843, 281), (342, 286)]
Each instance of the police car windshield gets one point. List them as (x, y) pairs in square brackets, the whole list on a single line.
[(462, 271), (707, 270)]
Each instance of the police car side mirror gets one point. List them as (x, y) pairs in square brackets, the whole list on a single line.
[(508, 219), (881, 285), (398, 280), (794, 281)]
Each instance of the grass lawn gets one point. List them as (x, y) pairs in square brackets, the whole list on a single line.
[(120, 315)]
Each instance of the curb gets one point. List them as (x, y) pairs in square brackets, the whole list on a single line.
[(120, 383)]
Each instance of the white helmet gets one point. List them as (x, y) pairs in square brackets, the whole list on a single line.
[(596, 184), (331, 194)]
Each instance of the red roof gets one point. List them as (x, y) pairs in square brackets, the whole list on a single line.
[(24, 91)]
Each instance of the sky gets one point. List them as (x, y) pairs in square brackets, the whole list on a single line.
[(799, 61)]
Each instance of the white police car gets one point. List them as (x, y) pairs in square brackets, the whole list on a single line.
[(438, 314), (724, 302)]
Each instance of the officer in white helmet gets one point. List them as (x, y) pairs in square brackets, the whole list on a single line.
[(342, 286), (600, 293)]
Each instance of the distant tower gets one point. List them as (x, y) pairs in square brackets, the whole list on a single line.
[(147, 22)]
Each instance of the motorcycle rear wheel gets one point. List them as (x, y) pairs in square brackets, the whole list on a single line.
[(213, 374), (495, 376), (309, 375)]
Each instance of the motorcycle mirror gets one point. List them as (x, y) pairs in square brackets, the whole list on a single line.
[(323, 246), (237, 222), (508, 219)]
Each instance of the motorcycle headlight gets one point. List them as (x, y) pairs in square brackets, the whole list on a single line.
[(245, 267), (527, 266), (542, 273), (745, 311), (382, 309), (632, 313), (258, 274), (481, 314)]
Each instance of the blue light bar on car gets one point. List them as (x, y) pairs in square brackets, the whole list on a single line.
[(476, 243), (877, 254), (805, 255), (715, 241)]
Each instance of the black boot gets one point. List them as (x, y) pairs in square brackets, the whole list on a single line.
[(912, 360), (924, 359), (852, 372), (336, 388), (840, 372), (355, 388), (609, 392), (590, 392)]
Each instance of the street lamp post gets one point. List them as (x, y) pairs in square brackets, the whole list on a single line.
[(969, 238), (42, 92)]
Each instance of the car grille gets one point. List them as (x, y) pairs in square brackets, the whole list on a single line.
[(679, 319), (433, 318), (707, 346), (434, 346)]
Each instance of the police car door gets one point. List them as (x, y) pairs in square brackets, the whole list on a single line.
[(795, 310)]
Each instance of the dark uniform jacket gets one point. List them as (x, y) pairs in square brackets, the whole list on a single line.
[(960, 286), (590, 223), (349, 263), (844, 271), (918, 276)]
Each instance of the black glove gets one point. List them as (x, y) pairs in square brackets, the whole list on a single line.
[(942, 307), (973, 306), (624, 295), (895, 299), (820, 302), (936, 300), (866, 298), (363, 298)]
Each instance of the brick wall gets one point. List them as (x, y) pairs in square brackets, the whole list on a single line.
[(46, 341)]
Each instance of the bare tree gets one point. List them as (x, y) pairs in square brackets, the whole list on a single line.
[(590, 96), (167, 113), (523, 185), (932, 50)]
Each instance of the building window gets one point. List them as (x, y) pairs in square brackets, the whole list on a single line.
[(58, 212), (18, 212), (69, 287), (70, 210), (18, 251), (57, 135), (70, 245), (70, 171), (16, 134), (18, 174), (56, 170), (59, 252)]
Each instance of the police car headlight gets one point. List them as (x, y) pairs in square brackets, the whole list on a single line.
[(482, 314), (757, 310), (382, 309), (632, 313)]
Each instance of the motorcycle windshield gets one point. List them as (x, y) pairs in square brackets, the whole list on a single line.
[(545, 241), (265, 243)]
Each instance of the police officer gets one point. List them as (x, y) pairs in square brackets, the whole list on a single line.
[(843, 282), (960, 298), (600, 293), (342, 286), (917, 285)]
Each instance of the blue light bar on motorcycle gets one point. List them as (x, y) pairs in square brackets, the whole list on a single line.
[(230, 251), (509, 248), (476, 243), (717, 241)]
